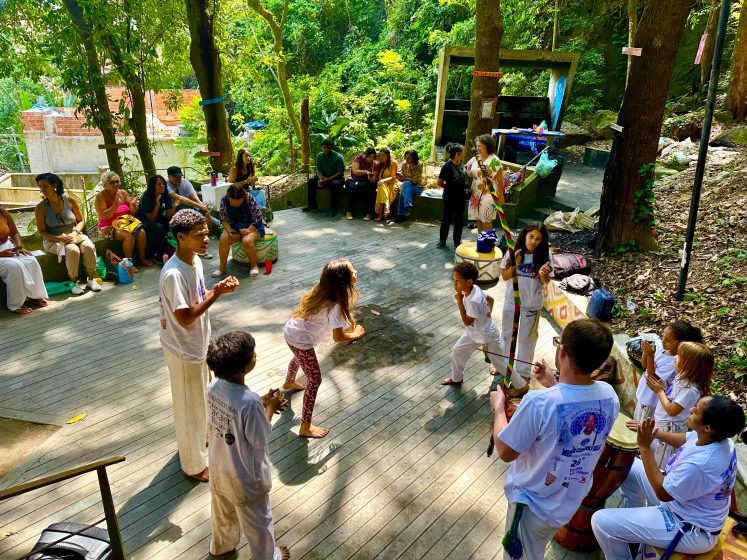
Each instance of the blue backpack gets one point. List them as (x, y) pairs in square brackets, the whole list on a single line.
[(600, 305)]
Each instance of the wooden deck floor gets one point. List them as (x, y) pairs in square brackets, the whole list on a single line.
[(403, 473)]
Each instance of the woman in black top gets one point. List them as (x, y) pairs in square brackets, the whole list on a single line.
[(154, 211), (453, 180)]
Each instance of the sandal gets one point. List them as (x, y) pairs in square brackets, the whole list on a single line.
[(217, 273), (40, 302), (253, 273), (25, 310)]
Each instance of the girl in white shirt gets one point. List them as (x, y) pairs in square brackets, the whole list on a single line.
[(694, 364), (326, 307), (658, 361)]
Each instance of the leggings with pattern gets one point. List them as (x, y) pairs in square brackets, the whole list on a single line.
[(306, 359)]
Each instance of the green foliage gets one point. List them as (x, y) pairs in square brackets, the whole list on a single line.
[(643, 198)]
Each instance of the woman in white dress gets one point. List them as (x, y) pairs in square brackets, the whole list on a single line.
[(481, 209), (19, 270)]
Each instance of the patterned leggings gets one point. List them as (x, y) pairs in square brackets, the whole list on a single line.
[(306, 359)]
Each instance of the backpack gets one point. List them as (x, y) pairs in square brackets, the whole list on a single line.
[(600, 305), (565, 264)]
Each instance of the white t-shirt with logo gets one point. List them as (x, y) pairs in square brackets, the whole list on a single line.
[(238, 453), (684, 395), (483, 327), (700, 478), (530, 287), (308, 333), (664, 369), (182, 286), (560, 433)]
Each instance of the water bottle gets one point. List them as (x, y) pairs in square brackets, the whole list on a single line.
[(213, 179)]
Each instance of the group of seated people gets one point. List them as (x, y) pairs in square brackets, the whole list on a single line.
[(375, 177), (140, 223)]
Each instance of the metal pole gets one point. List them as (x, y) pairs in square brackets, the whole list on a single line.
[(110, 512), (704, 138)]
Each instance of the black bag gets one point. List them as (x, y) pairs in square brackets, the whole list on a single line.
[(566, 264), (578, 284), (633, 346)]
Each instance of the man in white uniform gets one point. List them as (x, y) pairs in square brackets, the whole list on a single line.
[(689, 502), (554, 439)]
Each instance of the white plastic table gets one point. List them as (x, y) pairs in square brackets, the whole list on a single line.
[(212, 195)]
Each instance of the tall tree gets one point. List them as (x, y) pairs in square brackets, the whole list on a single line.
[(205, 58), (90, 87), (710, 42), (737, 98), (278, 61), (632, 28), (488, 35), (626, 213)]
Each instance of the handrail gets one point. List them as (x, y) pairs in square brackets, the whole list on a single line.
[(110, 514)]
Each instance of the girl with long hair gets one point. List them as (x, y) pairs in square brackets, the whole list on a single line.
[(326, 307), (243, 174), (387, 186)]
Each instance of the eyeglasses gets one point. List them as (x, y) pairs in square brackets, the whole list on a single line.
[(556, 341)]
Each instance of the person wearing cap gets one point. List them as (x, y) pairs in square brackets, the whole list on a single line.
[(184, 195)]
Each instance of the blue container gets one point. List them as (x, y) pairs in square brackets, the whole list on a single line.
[(600, 305)]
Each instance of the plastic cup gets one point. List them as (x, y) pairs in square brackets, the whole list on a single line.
[(268, 267)]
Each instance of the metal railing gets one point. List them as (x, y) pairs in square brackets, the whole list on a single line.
[(110, 514)]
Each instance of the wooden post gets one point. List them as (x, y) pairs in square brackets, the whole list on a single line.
[(555, 25), (305, 135), (444, 59), (110, 512)]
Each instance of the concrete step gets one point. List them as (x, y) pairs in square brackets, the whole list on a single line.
[(557, 203)]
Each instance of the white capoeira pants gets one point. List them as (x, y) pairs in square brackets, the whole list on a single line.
[(643, 411), (526, 338), (189, 381), (23, 278), (252, 517), (465, 347), (534, 533), (654, 525)]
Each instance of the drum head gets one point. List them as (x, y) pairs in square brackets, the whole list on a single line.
[(621, 436)]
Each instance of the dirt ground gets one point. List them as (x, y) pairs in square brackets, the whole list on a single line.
[(17, 438)]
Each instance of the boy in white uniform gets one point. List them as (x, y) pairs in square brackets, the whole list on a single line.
[(185, 334), (479, 328), (688, 504), (240, 478), (554, 439)]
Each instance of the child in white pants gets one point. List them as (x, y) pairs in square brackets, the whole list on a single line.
[(532, 267), (240, 478), (479, 328)]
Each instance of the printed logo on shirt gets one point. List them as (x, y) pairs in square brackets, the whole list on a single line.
[(220, 415), (229, 438), (200, 290), (729, 476), (526, 270)]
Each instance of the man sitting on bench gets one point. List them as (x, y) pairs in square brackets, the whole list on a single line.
[(329, 169)]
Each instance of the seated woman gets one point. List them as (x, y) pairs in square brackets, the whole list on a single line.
[(242, 174), (361, 183), (19, 270), (60, 224), (154, 211), (241, 218), (387, 187), (412, 178), (113, 203)]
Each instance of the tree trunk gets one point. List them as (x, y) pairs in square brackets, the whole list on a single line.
[(205, 58), (280, 75), (138, 120), (96, 108), (738, 84), (632, 30), (305, 135), (626, 178), (488, 34), (710, 44)]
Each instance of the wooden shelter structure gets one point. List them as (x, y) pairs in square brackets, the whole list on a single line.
[(451, 115)]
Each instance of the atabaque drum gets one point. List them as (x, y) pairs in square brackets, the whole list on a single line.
[(266, 246), (611, 471), (488, 264)]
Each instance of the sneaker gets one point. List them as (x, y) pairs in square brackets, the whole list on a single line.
[(78, 290), (254, 272), (206, 255), (217, 273), (93, 285), (440, 244), (309, 209)]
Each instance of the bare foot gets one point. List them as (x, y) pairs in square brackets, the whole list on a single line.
[(294, 386), (450, 381), (203, 476), (284, 552), (311, 431), (40, 302), (147, 263), (23, 310)]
